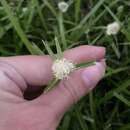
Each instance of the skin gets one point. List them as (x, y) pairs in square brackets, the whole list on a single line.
[(45, 111)]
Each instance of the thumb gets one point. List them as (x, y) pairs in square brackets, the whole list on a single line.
[(71, 90)]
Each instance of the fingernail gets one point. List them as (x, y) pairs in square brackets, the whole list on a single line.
[(93, 74), (101, 67)]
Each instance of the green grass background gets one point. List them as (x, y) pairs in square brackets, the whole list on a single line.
[(23, 25)]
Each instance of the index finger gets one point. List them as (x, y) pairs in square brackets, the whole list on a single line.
[(37, 69)]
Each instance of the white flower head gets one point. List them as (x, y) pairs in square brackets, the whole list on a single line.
[(113, 28), (62, 68), (63, 6), (24, 9)]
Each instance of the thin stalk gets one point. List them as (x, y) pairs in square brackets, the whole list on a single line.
[(77, 10), (51, 85), (62, 30), (92, 109)]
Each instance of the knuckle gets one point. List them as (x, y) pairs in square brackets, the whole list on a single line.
[(12, 74), (70, 88)]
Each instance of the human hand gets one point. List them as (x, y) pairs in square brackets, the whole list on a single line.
[(44, 112)]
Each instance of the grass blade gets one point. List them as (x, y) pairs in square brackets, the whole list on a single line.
[(58, 48), (17, 26), (77, 10), (52, 9), (48, 49), (110, 94), (94, 9), (122, 98), (62, 30)]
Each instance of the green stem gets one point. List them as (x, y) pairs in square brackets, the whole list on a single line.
[(83, 65), (92, 109), (51, 85), (77, 10), (62, 30)]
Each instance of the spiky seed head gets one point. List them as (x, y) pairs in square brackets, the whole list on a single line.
[(62, 68)]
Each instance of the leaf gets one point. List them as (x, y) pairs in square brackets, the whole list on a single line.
[(17, 26), (122, 98), (58, 48), (49, 49)]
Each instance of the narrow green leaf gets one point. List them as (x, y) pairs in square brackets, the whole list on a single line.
[(87, 64), (111, 71), (17, 26), (39, 9), (48, 49), (82, 123), (77, 10), (38, 51), (122, 98), (62, 30), (52, 9), (110, 94), (94, 9), (58, 48)]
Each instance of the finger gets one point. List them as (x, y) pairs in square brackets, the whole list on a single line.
[(36, 70), (69, 91), (85, 53)]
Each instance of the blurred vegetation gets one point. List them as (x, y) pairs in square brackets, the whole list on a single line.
[(23, 25)]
